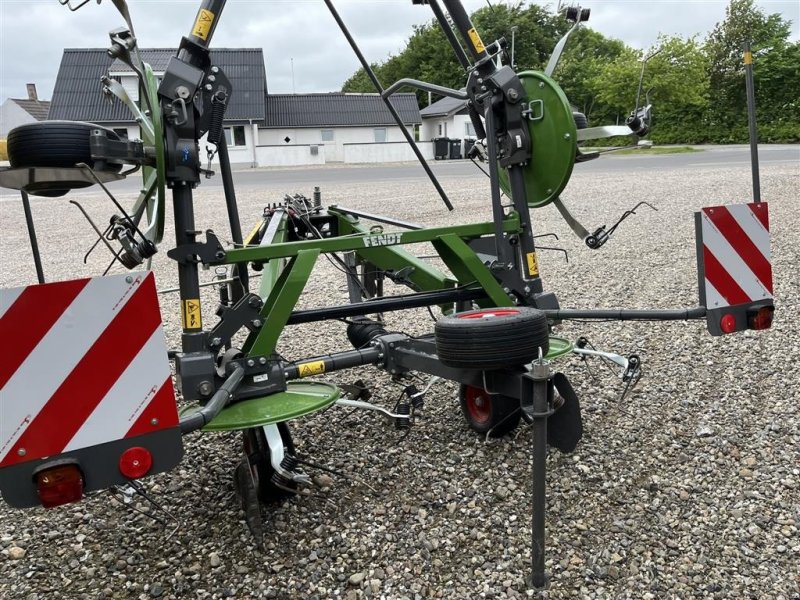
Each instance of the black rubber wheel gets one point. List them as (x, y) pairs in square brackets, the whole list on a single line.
[(492, 338), (581, 122), (257, 451), (486, 412), (60, 144)]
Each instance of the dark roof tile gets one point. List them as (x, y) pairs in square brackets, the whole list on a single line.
[(338, 110), (78, 93), (443, 108), (38, 109)]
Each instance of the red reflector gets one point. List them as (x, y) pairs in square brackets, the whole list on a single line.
[(760, 319), (59, 485), (727, 323), (135, 462)]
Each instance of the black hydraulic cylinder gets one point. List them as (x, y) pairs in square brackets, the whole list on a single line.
[(465, 27), (193, 338), (448, 33), (371, 74), (332, 362), (477, 124), (751, 119), (206, 22), (385, 304), (622, 314), (37, 257)]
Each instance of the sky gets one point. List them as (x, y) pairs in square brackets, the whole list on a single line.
[(303, 48)]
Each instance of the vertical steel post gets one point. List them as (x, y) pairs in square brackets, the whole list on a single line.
[(535, 397), (233, 210), (751, 118), (37, 259)]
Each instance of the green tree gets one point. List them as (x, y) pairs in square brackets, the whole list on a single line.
[(744, 22), (586, 55), (428, 56), (675, 81)]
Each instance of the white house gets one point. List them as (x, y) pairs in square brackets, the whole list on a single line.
[(19, 111), (262, 129), (345, 127), (78, 95), (446, 118)]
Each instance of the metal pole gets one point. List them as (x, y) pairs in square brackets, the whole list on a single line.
[(371, 74), (233, 210), (37, 259), (751, 118), (535, 398), (513, 44)]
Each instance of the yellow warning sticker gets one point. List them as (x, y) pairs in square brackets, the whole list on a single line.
[(316, 367), (475, 38), (252, 235), (191, 314), (533, 265), (748, 58), (202, 26)]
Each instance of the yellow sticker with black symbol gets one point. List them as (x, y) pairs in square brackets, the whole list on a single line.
[(191, 314), (202, 26), (533, 264), (748, 58), (475, 38), (252, 235), (316, 367)]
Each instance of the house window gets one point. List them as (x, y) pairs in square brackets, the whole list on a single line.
[(469, 130), (380, 134), (234, 136), (122, 132), (326, 135)]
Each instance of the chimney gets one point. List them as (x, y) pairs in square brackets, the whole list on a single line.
[(32, 91)]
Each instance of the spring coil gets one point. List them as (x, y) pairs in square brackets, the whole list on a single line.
[(404, 422), (218, 105), (290, 464)]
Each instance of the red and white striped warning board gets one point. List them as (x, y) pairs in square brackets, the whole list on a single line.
[(736, 267), (85, 362)]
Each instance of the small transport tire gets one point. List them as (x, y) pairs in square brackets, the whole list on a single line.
[(258, 453), (486, 412), (492, 413), (60, 144), (581, 122), (492, 338)]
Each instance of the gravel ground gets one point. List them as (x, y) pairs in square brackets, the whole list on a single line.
[(688, 488)]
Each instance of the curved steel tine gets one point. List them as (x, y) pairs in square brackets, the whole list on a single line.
[(99, 233)]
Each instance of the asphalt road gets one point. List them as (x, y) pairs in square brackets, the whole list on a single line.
[(724, 156), (301, 178)]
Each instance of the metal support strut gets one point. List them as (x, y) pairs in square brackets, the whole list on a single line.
[(536, 398)]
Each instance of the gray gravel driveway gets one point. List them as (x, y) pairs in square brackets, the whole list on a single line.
[(688, 488)]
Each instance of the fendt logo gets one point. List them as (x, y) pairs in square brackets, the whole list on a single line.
[(384, 239)]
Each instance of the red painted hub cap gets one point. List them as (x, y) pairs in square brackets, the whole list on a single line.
[(479, 404), (491, 313)]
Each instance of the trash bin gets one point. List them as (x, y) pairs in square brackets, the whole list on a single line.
[(441, 148), (468, 144), (455, 149)]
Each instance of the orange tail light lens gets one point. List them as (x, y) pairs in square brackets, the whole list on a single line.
[(59, 485)]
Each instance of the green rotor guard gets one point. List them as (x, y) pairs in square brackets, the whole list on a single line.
[(155, 212), (553, 140)]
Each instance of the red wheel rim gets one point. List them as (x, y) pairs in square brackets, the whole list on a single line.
[(478, 403), (490, 313)]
